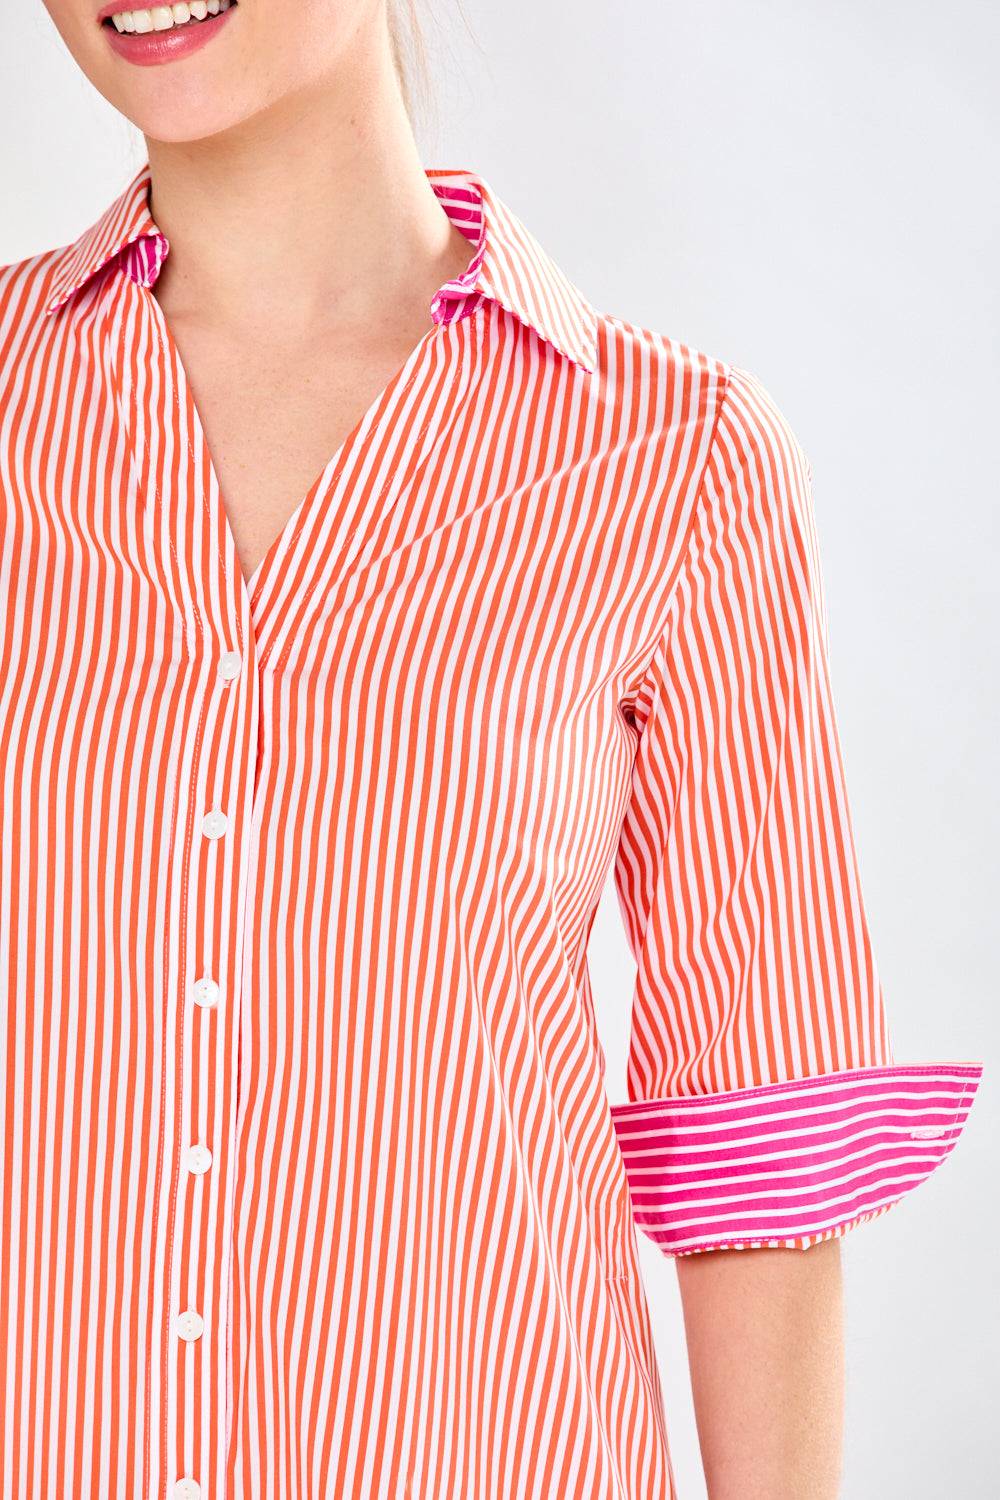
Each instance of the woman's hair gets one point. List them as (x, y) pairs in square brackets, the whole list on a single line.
[(409, 54)]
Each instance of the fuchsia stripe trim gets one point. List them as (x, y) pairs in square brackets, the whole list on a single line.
[(791, 1161), (143, 259)]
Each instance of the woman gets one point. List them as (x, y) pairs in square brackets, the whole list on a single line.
[(368, 595)]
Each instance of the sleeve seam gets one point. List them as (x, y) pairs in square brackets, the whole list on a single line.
[(970, 1072)]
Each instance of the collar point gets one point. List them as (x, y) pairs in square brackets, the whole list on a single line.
[(586, 358)]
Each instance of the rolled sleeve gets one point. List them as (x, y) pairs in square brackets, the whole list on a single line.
[(764, 1107), (789, 1165)]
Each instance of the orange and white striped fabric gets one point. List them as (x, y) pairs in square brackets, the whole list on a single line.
[(311, 1186)]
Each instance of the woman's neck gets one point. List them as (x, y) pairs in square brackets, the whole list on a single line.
[(316, 213)]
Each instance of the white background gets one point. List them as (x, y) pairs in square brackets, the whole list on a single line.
[(810, 191)]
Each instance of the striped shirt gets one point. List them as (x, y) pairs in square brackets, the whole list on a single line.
[(311, 1186)]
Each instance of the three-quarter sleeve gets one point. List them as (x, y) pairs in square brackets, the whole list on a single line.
[(764, 1107)]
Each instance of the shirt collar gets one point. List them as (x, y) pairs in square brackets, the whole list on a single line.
[(509, 268), (127, 223)]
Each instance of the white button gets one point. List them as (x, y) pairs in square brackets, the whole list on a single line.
[(229, 666), (190, 1326), (198, 1159), (214, 824), (206, 992), (187, 1489), (928, 1132)]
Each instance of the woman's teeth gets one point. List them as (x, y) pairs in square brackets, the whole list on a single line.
[(165, 17)]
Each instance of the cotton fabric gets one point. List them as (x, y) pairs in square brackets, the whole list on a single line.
[(312, 1185)]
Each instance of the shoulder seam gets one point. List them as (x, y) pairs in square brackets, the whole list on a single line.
[(684, 547)]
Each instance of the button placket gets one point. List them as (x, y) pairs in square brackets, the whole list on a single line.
[(205, 993)]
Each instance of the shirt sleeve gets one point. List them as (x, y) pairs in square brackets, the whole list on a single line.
[(764, 1107)]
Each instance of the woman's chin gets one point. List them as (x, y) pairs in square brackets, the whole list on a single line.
[(179, 111)]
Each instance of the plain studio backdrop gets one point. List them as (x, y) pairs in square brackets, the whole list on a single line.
[(809, 191)]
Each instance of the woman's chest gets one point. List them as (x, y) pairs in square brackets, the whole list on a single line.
[(273, 414)]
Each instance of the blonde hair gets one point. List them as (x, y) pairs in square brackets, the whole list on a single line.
[(409, 54)]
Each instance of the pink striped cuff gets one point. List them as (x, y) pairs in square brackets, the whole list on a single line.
[(788, 1164)]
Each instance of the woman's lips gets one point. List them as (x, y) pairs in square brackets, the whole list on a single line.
[(148, 46)]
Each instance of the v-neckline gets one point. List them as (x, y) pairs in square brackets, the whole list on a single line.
[(367, 424)]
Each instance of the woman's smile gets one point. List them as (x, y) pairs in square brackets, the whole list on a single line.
[(163, 33)]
